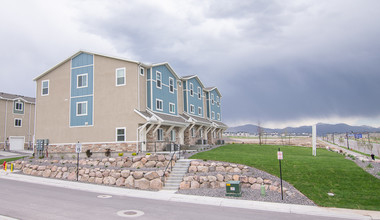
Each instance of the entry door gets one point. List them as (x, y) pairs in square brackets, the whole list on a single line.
[(143, 139), (16, 143)]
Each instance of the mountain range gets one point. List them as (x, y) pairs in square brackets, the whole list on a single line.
[(322, 129)]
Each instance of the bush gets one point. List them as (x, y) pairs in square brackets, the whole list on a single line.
[(369, 166), (134, 154), (121, 154), (147, 153), (88, 153)]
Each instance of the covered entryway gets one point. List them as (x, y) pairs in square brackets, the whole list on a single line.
[(16, 143)]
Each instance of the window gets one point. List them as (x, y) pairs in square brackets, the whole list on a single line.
[(191, 89), (45, 88), (18, 122), (212, 98), (82, 80), (192, 108), (217, 101), (199, 111), (120, 77), (214, 134), (120, 134), (172, 135), (81, 108), (171, 85), (171, 107), (159, 104), (19, 106), (160, 135), (218, 116), (179, 83), (192, 132), (199, 93), (142, 71), (213, 115), (201, 133), (158, 80)]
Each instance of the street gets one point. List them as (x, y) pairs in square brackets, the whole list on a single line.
[(22, 200)]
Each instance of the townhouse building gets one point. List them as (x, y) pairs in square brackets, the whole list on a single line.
[(106, 102), (16, 122)]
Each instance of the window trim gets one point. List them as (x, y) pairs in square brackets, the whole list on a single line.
[(192, 132), (217, 101), (201, 133), (199, 110), (143, 71), (124, 135), (124, 76), (213, 115), (212, 99), (171, 84), (172, 137), (79, 75), (160, 134), (192, 109), (83, 114), (218, 116), (15, 125), (199, 92), (171, 104), (191, 88), (158, 80), (18, 102), (162, 105), (42, 87)]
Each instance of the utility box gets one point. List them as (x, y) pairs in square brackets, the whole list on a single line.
[(233, 188)]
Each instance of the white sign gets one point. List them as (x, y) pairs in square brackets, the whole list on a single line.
[(78, 148), (279, 155)]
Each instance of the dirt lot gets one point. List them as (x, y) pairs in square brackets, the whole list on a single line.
[(293, 141)]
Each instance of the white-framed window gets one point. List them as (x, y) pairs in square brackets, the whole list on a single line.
[(192, 132), (82, 80), (214, 134), (159, 104), (212, 98), (213, 115), (81, 108), (199, 92), (192, 108), (172, 135), (171, 85), (142, 71), (120, 134), (160, 134), (158, 80), (218, 116), (179, 83), (217, 101), (18, 122), (191, 86), (171, 107), (45, 87), (120, 76), (201, 133), (199, 111), (19, 106)]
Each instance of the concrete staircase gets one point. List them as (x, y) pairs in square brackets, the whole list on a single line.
[(179, 171)]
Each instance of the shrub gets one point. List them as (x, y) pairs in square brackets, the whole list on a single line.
[(62, 157), (369, 166), (134, 154), (147, 153), (88, 153), (121, 154), (41, 157)]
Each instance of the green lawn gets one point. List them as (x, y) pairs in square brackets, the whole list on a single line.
[(10, 159), (313, 176)]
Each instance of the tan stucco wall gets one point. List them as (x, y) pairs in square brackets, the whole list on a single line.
[(180, 98), (8, 129), (113, 105)]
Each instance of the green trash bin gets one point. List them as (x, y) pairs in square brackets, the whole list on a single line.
[(233, 188)]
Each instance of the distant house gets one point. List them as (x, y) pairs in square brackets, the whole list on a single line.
[(108, 102), (16, 122)]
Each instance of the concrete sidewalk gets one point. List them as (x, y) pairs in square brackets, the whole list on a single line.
[(171, 196), (11, 154)]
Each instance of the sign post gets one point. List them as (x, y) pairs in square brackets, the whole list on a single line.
[(78, 149), (280, 157)]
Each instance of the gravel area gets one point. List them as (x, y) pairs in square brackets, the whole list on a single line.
[(372, 167), (293, 196)]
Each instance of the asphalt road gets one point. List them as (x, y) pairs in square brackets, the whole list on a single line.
[(22, 200)]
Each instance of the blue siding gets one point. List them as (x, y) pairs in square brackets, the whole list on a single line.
[(164, 94), (214, 107), (148, 95), (90, 77), (83, 59), (194, 100), (81, 120), (82, 64)]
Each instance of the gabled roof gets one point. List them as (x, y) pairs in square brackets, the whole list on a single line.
[(193, 76), (13, 97), (198, 120), (162, 118), (209, 89), (83, 51), (168, 66)]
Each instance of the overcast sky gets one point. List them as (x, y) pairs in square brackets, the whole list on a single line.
[(283, 63)]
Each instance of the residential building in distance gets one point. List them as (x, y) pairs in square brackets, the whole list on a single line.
[(16, 122), (105, 102)]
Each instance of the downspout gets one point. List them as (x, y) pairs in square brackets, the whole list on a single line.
[(30, 115), (138, 87), (5, 124)]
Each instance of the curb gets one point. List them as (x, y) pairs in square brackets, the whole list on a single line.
[(166, 195)]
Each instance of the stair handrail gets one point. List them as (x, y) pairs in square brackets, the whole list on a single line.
[(170, 162)]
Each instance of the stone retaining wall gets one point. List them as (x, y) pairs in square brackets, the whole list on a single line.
[(216, 174), (115, 147), (139, 172)]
